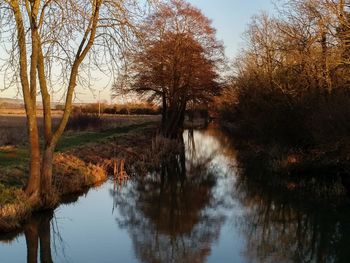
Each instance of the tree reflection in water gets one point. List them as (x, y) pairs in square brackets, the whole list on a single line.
[(279, 227), (37, 232), (172, 214), (41, 234)]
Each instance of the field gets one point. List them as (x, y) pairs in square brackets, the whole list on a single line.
[(13, 124), (13, 140)]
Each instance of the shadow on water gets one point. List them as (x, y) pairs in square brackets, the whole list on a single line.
[(171, 214), (178, 211), (285, 226)]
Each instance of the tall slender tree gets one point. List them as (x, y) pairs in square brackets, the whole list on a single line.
[(54, 44)]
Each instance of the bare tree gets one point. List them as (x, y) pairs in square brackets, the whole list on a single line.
[(54, 44), (299, 50)]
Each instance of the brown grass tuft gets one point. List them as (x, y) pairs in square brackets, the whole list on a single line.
[(72, 175), (162, 147), (14, 207)]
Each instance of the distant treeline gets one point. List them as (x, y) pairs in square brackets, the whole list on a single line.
[(133, 109), (122, 109), (9, 105)]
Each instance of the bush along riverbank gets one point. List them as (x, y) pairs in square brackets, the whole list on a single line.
[(83, 160), (301, 144)]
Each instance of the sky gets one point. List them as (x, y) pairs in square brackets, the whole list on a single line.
[(229, 17)]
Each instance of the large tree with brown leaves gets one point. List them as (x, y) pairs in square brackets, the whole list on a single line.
[(176, 62)]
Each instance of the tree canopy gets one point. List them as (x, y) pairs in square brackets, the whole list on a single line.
[(176, 62)]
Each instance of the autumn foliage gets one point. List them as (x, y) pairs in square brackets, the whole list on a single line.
[(176, 63)]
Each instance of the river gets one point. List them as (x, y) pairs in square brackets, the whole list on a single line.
[(195, 207)]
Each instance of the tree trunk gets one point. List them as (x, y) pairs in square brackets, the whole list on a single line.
[(164, 111), (33, 184), (325, 70), (46, 177), (175, 120), (29, 92)]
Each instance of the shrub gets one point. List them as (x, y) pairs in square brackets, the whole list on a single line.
[(83, 121), (304, 136), (269, 116), (59, 107), (12, 135)]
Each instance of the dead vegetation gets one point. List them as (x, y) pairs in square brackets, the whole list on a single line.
[(162, 148), (119, 173), (73, 175), (13, 205)]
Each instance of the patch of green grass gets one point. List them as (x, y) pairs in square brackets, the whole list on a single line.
[(14, 157), (82, 138), (14, 176)]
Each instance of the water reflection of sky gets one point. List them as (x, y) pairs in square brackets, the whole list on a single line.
[(230, 245)]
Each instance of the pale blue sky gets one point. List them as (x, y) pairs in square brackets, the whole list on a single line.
[(230, 18)]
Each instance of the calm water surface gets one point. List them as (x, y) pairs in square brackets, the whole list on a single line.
[(196, 207)]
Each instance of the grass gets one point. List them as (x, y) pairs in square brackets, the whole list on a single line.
[(13, 157), (14, 160), (78, 139), (16, 156), (13, 205), (73, 175), (8, 195), (13, 130)]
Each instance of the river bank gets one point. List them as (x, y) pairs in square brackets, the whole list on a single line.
[(318, 173), (83, 159)]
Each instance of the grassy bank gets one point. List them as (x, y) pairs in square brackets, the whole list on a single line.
[(82, 159)]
